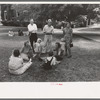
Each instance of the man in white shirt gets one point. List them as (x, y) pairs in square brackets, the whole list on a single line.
[(32, 28), (48, 30)]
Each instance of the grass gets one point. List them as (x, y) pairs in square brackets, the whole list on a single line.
[(83, 66)]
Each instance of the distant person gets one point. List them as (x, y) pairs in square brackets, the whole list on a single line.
[(16, 64), (32, 28), (48, 31), (20, 33), (11, 33), (67, 31), (26, 51)]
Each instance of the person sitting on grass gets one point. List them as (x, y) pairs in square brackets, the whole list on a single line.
[(26, 51), (38, 48), (58, 52), (16, 64), (50, 61)]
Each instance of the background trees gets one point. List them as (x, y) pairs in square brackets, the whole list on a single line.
[(57, 12)]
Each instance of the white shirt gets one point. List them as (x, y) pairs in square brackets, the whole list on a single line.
[(37, 47), (32, 28), (48, 29), (53, 62), (15, 62)]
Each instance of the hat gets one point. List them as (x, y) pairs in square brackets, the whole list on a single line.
[(49, 20)]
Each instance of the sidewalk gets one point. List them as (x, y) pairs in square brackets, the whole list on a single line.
[(91, 35)]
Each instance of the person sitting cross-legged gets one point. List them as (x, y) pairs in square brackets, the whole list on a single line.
[(26, 51), (16, 64)]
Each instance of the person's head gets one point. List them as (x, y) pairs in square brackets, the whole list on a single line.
[(49, 22), (62, 40), (26, 43), (39, 40), (67, 24), (31, 21), (50, 53), (58, 45), (16, 53)]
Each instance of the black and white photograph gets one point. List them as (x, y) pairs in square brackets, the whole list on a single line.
[(49, 42)]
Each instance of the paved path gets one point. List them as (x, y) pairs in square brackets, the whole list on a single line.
[(91, 35)]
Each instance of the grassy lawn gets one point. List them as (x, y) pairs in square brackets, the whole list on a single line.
[(83, 66)]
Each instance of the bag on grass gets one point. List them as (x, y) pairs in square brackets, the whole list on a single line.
[(47, 65)]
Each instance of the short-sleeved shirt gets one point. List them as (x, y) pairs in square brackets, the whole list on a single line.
[(48, 29), (67, 32), (32, 28)]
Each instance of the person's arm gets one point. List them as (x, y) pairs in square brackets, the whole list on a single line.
[(52, 30), (53, 62), (22, 49), (29, 28), (44, 31), (35, 28)]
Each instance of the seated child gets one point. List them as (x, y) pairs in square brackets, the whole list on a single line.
[(11, 33), (50, 61), (38, 48), (20, 33), (58, 52), (16, 64), (63, 46), (26, 51)]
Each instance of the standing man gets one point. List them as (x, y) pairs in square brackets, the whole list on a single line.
[(48, 30), (32, 28)]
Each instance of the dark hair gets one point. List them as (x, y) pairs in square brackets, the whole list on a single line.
[(59, 45), (16, 53), (50, 53), (66, 23), (25, 43)]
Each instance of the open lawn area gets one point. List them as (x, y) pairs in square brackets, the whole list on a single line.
[(83, 66)]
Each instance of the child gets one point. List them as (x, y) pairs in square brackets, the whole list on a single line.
[(16, 64), (38, 48), (63, 46), (20, 33), (11, 33), (50, 61), (58, 52), (26, 51)]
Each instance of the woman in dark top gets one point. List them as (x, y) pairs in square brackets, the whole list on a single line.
[(67, 31)]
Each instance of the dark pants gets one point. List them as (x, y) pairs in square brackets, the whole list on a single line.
[(32, 38)]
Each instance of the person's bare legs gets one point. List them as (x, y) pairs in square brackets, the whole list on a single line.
[(69, 51)]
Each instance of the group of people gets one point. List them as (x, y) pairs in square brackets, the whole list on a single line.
[(21, 60)]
